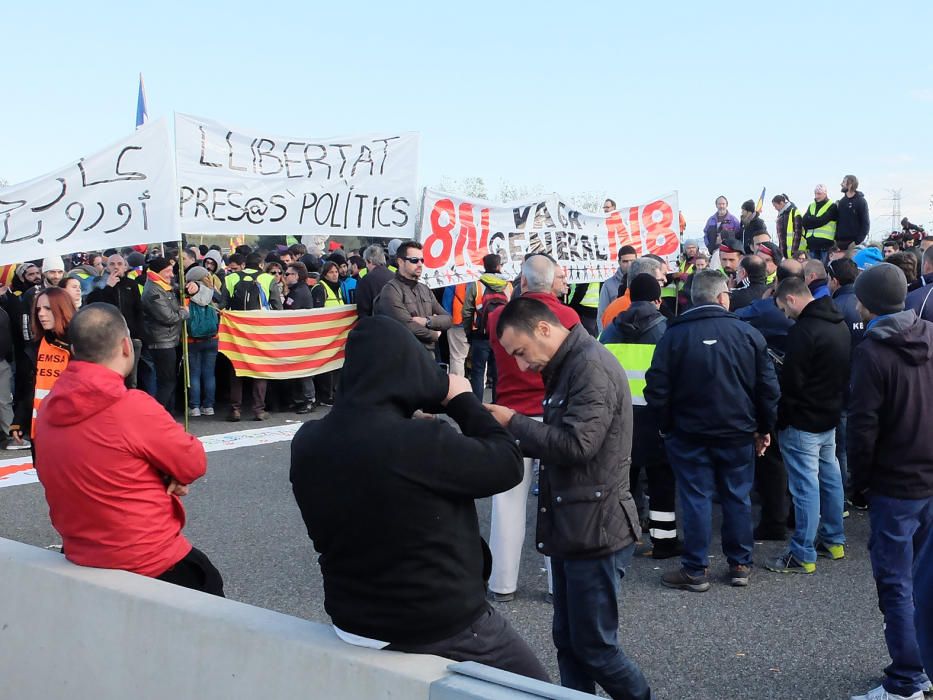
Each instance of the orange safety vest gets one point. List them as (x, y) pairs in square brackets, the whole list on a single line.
[(456, 312), (50, 363), (478, 299)]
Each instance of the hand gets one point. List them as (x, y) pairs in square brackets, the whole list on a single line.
[(112, 279), (191, 288), (456, 385), (420, 320), (178, 489), (436, 334), (502, 414), (762, 443), (16, 435), (4, 289)]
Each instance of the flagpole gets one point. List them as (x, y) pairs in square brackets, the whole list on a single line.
[(184, 330)]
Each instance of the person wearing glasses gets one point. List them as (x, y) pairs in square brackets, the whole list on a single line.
[(411, 302)]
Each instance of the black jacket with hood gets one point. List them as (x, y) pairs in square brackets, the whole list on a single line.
[(394, 519), (891, 408), (853, 223), (816, 369), (585, 444)]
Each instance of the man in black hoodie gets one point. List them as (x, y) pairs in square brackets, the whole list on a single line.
[(890, 461), (813, 381), (395, 525), (854, 221)]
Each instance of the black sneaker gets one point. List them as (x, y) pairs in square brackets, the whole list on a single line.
[(667, 550), (304, 408), (789, 564), (680, 579), (738, 575)]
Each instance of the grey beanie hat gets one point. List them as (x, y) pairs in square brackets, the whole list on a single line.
[(882, 289), (196, 273)]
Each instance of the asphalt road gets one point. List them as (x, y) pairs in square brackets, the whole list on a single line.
[(784, 636)]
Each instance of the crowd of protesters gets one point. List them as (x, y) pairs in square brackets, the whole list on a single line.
[(821, 344)]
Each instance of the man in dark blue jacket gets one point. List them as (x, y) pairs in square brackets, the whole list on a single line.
[(712, 436), (631, 338), (920, 298), (854, 220), (891, 463)]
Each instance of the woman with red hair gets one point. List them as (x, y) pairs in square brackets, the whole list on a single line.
[(52, 312)]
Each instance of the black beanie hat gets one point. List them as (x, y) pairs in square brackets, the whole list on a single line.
[(645, 288), (135, 259), (748, 205), (882, 289), (159, 264)]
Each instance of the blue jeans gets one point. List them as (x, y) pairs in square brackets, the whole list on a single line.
[(899, 529), (586, 627), (815, 484), (202, 358), (923, 600), (481, 359), (841, 456), (702, 470)]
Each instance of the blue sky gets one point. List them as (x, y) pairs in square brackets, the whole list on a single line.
[(633, 100)]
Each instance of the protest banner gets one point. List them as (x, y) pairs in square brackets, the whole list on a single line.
[(119, 196), (457, 232), (233, 181)]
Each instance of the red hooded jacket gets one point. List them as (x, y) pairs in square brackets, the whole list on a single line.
[(523, 391), (104, 454)]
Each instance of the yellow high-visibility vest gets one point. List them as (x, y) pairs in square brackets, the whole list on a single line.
[(827, 231), (635, 359)]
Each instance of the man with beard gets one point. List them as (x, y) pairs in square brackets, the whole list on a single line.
[(752, 225), (720, 225), (854, 222)]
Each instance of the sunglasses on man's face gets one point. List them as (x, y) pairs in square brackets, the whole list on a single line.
[(414, 261)]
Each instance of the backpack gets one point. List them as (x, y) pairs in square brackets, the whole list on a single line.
[(203, 321), (491, 301), (248, 295)]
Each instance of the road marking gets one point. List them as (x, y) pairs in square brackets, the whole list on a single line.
[(19, 471)]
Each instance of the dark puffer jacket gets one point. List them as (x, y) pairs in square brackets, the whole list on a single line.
[(162, 316), (891, 410), (585, 444)]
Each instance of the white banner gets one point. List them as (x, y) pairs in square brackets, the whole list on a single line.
[(236, 181), (119, 196), (457, 232)]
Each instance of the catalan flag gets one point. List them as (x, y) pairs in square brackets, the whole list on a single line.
[(760, 204), (7, 275), (285, 344)]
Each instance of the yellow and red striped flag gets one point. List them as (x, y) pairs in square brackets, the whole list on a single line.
[(7, 275), (285, 344)]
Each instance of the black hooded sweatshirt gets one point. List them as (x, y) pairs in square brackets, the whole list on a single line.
[(393, 519), (891, 408), (816, 369)]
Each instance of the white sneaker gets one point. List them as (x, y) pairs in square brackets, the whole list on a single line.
[(194, 412), (14, 444), (207, 411), (880, 693)]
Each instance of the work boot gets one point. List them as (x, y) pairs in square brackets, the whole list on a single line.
[(234, 416)]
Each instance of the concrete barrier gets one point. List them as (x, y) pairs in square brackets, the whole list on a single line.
[(73, 632)]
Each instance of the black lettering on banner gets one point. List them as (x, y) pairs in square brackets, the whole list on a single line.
[(520, 215), (346, 207), (333, 212), (343, 156), (201, 202), (183, 198), (321, 159), (366, 156), (599, 252), (255, 210), (330, 206), (359, 216), (230, 154), (235, 205), (121, 176), (372, 223), (560, 246), (97, 220), (142, 204), (497, 244), (305, 205), (586, 247), (76, 218), (55, 201), (385, 151), (518, 242), (379, 213), (276, 204), (288, 161), (543, 216), (402, 212), (123, 209), (268, 153), (574, 219), (560, 214), (218, 202), (201, 159)]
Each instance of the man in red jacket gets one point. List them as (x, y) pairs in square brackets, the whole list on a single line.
[(117, 505), (522, 392)]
